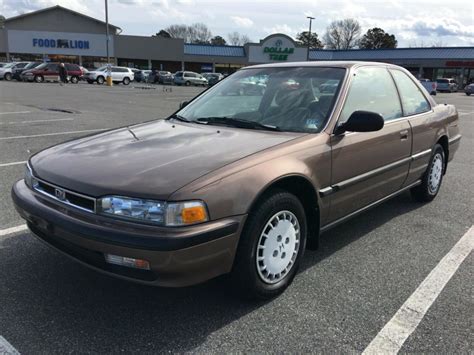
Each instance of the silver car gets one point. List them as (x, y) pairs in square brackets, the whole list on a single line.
[(119, 75), (447, 84), (189, 78), (6, 71)]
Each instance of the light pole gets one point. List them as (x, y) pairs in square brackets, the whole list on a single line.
[(309, 33), (109, 77)]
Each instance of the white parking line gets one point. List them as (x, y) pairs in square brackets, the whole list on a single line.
[(13, 163), (6, 348), (11, 113), (392, 336), (54, 134), (12, 230)]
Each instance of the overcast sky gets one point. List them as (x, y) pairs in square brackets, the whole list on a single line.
[(415, 22)]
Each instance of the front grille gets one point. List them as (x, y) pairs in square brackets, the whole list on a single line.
[(67, 197)]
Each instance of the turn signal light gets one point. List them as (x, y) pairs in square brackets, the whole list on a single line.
[(193, 214)]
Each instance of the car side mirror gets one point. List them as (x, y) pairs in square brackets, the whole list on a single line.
[(362, 121), (183, 104)]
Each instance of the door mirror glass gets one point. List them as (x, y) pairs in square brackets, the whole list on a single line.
[(183, 104), (362, 121)]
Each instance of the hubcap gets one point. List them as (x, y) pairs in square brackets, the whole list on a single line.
[(436, 172), (278, 247)]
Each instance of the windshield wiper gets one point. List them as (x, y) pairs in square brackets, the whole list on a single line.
[(237, 122), (179, 118)]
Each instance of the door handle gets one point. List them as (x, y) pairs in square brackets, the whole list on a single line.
[(404, 134)]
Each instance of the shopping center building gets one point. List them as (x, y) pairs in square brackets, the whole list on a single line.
[(60, 34)]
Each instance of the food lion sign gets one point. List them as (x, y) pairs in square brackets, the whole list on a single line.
[(276, 48), (65, 43)]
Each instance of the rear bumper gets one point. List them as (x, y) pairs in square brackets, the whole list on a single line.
[(177, 256)]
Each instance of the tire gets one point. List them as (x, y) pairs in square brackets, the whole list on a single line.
[(90, 81), (432, 178), (39, 78), (7, 76), (100, 80), (126, 81), (468, 93), (187, 83), (254, 266), (74, 79)]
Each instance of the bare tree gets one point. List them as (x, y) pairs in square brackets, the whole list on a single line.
[(342, 34), (200, 33), (196, 33), (236, 39), (179, 31)]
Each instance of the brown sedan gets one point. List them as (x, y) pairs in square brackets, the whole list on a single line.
[(244, 177)]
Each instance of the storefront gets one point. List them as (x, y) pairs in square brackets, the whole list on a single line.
[(60, 34)]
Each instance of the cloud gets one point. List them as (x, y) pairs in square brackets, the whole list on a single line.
[(442, 27), (242, 21)]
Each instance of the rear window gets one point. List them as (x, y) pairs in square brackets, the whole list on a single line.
[(442, 81)]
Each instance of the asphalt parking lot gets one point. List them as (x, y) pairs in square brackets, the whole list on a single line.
[(344, 294)]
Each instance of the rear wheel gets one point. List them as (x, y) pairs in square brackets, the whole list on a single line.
[(90, 81), (39, 78), (271, 246), (100, 80), (126, 81), (8, 77), (468, 93), (74, 79), (431, 181), (187, 83)]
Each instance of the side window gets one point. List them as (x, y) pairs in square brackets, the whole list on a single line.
[(372, 89), (53, 67), (413, 100)]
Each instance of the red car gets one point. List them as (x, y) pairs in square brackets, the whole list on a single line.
[(50, 72)]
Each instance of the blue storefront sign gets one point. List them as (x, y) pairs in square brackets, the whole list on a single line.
[(206, 68), (60, 43)]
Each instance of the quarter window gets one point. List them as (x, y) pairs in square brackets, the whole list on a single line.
[(413, 100), (372, 89)]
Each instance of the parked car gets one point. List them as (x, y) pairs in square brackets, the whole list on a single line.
[(429, 85), (469, 89), (165, 77), (2, 65), (189, 78), (16, 72), (240, 184), (50, 72), (446, 84), (119, 75), (6, 72), (142, 76), (213, 78)]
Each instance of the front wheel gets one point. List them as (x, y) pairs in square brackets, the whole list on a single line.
[(100, 80), (468, 93), (8, 77), (187, 83), (431, 181), (74, 79), (126, 81), (271, 246), (39, 78)]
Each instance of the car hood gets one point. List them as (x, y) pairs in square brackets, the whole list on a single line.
[(150, 160)]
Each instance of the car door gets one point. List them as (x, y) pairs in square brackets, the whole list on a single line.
[(418, 111), (116, 74), (52, 72), (367, 166)]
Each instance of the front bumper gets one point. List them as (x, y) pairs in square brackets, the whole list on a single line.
[(177, 256)]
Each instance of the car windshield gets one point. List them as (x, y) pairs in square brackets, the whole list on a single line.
[(41, 66), (104, 68), (286, 99), (9, 65), (31, 65), (442, 81)]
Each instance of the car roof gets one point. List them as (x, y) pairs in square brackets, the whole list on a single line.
[(332, 64)]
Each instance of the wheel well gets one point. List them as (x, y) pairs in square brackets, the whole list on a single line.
[(443, 141), (304, 190)]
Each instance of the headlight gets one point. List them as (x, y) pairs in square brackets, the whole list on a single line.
[(30, 181), (151, 211)]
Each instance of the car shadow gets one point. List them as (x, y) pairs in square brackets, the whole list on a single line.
[(53, 305)]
